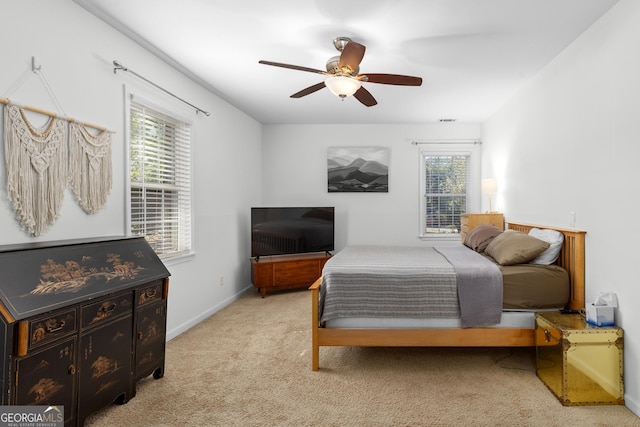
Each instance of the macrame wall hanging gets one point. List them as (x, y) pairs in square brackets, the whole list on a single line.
[(42, 161), (36, 161), (89, 167)]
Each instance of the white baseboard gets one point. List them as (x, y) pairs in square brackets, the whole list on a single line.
[(171, 334), (632, 405)]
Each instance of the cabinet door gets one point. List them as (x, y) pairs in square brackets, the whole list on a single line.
[(105, 366), (47, 377), (150, 339)]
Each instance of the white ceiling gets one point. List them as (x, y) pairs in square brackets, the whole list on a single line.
[(471, 54)]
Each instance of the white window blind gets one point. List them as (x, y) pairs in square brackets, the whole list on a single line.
[(447, 190), (160, 169)]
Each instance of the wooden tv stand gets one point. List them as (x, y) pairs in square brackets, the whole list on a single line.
[(274, 273)]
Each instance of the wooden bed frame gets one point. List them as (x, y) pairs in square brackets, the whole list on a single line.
[(572, 258)]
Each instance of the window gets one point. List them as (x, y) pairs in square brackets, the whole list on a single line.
[(160, 179), (448, 188)]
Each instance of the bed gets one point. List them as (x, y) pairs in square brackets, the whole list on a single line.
[(515, 327)]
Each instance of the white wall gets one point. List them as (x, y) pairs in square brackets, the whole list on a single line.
[(75, 51), (565, 143), (569, 142), (294, 166)]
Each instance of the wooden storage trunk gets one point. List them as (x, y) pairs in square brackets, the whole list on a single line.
[(580, 363)]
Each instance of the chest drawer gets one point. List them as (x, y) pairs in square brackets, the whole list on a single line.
[(469, 221), (105, 309), (464, 227), (150, 293), (295, 272), (50, 327)]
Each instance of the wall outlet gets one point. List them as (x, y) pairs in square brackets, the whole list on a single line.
[(572, 219), (221, 280)]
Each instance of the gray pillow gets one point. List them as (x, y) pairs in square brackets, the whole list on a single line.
[(479, 238), (513, 247)]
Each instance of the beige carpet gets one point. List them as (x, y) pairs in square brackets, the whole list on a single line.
[(250, 365)]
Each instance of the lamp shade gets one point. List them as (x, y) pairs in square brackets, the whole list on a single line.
[(489, 185), (342, 86)]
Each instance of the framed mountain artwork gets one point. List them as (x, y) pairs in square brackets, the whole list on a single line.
[(358, 169)]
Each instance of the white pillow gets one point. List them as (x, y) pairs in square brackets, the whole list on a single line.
[(554, 238)]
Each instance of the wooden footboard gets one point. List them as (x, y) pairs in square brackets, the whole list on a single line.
[(571, 258), (451, 337)]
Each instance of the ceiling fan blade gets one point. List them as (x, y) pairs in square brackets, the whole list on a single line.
[(293, 67), (351, 56), (365, 97), (392, 79), (309, 90)]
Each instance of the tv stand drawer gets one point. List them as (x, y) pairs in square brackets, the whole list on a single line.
[(286, 272), (296, 272)]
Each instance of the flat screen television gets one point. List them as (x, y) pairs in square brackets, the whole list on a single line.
[(291, 230)]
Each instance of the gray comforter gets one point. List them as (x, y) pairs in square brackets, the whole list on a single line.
[(411, 282)]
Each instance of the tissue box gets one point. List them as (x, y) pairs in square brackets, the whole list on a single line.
[(600, 315)]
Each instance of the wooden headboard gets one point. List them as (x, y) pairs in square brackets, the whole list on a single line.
[(571, 258)]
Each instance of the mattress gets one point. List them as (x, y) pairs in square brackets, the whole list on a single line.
[(510, 319), (534, 287), (527, 288)]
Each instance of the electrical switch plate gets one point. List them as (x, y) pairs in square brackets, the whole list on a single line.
[(572, 219)]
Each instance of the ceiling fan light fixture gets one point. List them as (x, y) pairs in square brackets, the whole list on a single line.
[(342, 86)]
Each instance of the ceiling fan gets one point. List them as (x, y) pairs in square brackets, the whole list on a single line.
[(343, 74)]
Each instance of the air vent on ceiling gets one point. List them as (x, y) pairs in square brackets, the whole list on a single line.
[(447, 120)]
